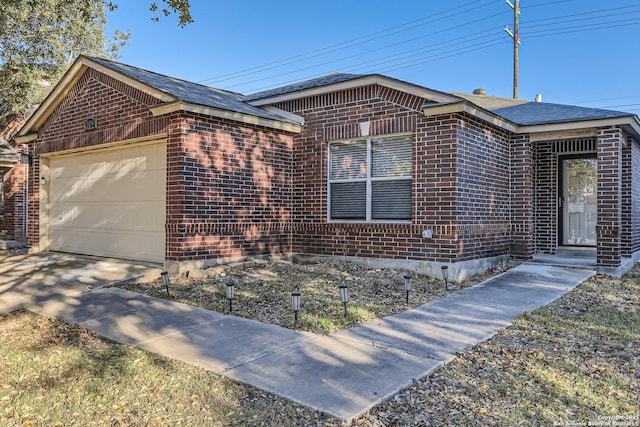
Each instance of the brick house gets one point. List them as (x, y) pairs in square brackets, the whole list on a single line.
[(132, 164)]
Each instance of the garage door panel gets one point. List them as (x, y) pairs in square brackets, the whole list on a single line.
[(61, 188), (69, 168), (110, 202), (62, 214), (141, 217)]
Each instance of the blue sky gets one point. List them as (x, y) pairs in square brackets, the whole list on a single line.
[(581, 52)]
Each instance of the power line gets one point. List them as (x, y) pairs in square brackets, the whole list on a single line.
[(573, 16), (413, 57), (432, 48), (350, 43), (461, 51), (583, 28), (371, 50)]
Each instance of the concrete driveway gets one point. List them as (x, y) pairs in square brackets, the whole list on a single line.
[(31, 280)]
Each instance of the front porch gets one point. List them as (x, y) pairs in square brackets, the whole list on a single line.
[(582, 258), (584, 201)]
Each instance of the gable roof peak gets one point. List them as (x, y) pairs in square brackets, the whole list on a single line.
[(341, 81), (172, 93)]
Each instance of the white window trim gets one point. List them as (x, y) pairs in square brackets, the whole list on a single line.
[(368, 180)]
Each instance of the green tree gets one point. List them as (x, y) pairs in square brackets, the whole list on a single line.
[(39, 39), (181, 7)]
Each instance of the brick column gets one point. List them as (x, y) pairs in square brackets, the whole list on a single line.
[(521, 192), (608, 229), (627, 200)]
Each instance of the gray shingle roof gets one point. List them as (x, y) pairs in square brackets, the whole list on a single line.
[(192, 93), (528, 113), (490, 102), (307, 84), (542, 113)]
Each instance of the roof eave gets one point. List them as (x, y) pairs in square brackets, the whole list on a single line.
[(631, 123), (357, 82), (471, 109), (27, 138), (283, 125)]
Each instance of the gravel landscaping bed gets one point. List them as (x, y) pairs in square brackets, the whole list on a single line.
[(263, 292)]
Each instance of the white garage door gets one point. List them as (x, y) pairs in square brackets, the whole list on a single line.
[(109, 202)]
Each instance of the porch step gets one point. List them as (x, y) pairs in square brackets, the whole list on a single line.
[(576, 252)]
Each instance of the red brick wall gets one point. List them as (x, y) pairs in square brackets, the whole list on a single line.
[(13, 220), (229, 189), (482, 179), (545, 196), (609, 224), (626, 201), (633, 194), (469, 214), (521, 191)]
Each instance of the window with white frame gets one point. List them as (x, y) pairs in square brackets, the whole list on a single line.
[(370, 179)]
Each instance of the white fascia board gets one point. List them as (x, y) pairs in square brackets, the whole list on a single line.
[(465, 107), (490, 118), (225, 114), (66, 83), (563, 134), (628, 121), (359, 82), (25, 139), (287, 115), (448, 108)]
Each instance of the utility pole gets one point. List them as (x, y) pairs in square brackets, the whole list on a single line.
[(516, 42)]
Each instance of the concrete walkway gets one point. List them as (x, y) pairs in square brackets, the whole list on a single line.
[(343, 374)]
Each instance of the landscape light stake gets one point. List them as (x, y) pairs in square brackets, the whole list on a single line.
[(344, 296), (231, 291), (407, 284), (165, 280), (445, 276), (295, 306)]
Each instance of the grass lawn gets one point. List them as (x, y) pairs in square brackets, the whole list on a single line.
[(576, 360)]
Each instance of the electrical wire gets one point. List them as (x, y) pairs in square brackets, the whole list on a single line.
[(350, 43), (370, 51), (413, 57)]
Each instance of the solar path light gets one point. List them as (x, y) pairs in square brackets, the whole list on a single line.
[(165, 280), (344, 296), (231, 292), (295, 306), (445, 276), (408, 279)]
